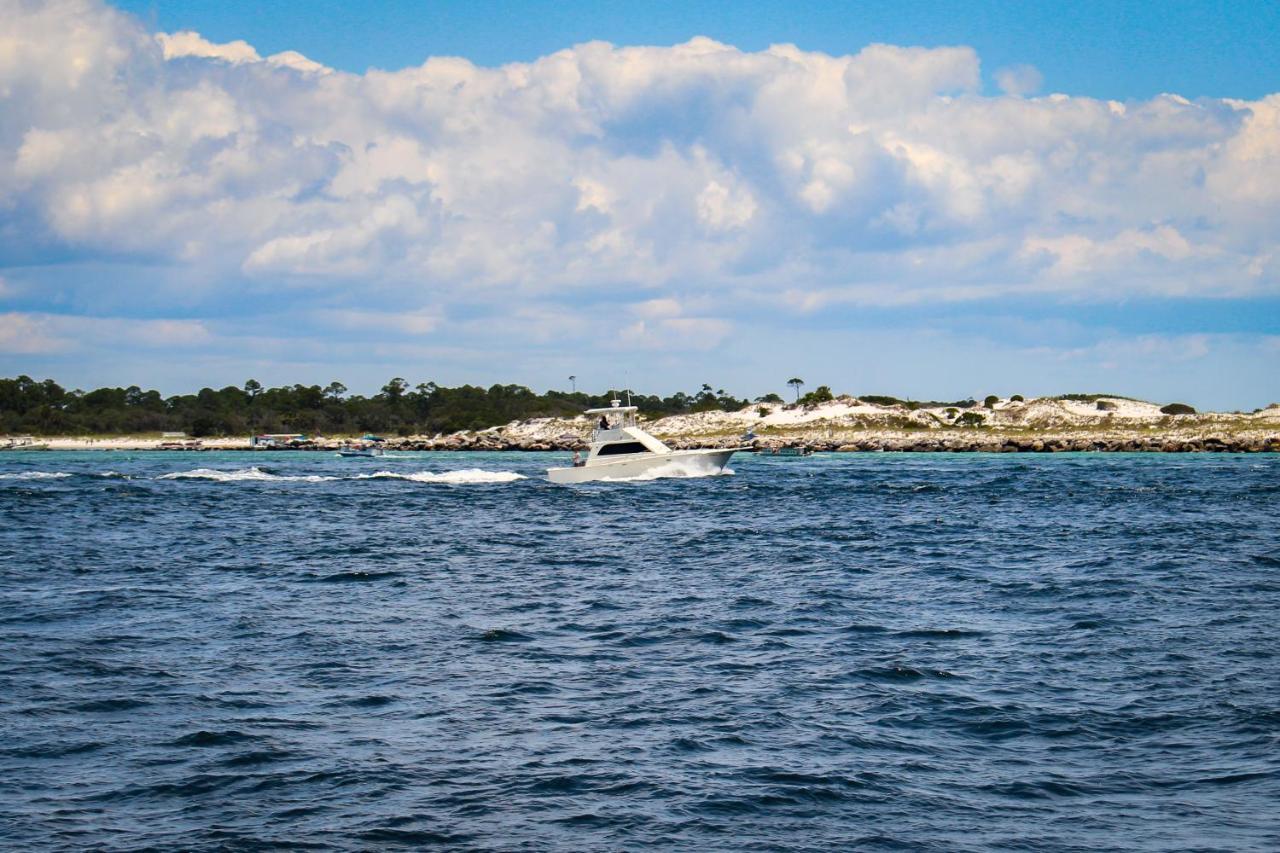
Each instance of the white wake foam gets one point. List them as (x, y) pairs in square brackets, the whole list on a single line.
[(35, 475), (675, 468), (244, 474), (467, 476)]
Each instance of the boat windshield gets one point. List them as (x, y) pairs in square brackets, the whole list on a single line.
[(613, 418)]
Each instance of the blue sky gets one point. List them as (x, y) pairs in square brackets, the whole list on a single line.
[(934, 200), (1115, 49)]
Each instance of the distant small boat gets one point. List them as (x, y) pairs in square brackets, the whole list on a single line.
[(361, 452), (369, 447), (791, 451)]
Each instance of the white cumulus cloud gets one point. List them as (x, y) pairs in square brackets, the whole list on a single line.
[(600, 174), (187, 43), (1019, 79)]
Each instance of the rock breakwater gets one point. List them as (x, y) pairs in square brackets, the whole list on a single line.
[(974, 442)]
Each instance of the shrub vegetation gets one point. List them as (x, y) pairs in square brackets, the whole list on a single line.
[(912, 405), (1090, 398), (821, 394), (46, 408)]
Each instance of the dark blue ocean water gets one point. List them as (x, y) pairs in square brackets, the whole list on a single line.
[(873, 652)]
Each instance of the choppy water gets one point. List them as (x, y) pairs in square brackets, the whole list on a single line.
[(876, 652)]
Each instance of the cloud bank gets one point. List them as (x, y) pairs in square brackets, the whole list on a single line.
[(711, 183)]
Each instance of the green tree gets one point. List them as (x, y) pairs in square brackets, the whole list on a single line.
[(395, 389), (797, 383), (821, 394), (44, 407)]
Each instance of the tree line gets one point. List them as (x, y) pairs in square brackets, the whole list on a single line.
[(46, 408)]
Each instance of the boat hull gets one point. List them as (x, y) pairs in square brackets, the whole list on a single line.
[(677, 463)]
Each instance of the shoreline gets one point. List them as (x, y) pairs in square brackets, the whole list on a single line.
[(842, 425), (974, 441)]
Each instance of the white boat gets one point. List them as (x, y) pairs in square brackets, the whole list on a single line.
[(361, 452), (24, 443), (365, 448), (368, 447), (620, 450)]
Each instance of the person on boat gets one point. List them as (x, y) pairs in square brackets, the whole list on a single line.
[(577, 459), (604, 422)]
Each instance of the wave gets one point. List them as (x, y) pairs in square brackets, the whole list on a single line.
[(940, 634), (467, 476), (242, 475), (353, 577), (62, 475), (35, 475), (208, 738)]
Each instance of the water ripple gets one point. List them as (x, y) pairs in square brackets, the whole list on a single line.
[(865, 651)]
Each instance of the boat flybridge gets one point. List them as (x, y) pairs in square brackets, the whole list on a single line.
[(621, 450)]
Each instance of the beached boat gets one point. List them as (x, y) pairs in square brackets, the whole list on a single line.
[(23, 443), (621, 450), (280, 441)]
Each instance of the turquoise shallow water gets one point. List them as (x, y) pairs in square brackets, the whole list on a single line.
[(863, 651)]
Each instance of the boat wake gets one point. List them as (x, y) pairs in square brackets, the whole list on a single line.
[(63, 475), (674, 469), (469, 476), (35, 475), (244, 475)]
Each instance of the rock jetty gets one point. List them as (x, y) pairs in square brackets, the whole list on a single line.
[(882, 442)]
